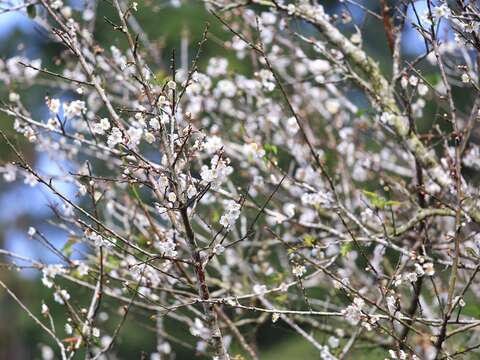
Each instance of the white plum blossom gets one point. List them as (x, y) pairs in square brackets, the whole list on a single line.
[(50, 272), (232, 212), (324, 199), (75, 108), (218, 249), (225, 87), (167, 248), (217, 67), (134, 135), (154, 123), (213, 144), (45, 310), (102, 126), (53, 105), (199, 329), (115, 137), (284, 169), (31, 231), (259, 289), (61, 296), (299, 270), (429, 269), (217, 173), (353, 313)]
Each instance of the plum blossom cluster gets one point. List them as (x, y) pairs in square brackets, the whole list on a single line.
[(229, 193)]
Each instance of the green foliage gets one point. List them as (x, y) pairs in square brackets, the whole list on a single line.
[(378, 201), (309, 240), (31, 11), (346, 248)]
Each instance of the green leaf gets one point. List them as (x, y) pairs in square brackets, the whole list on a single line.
[(270, 149), (346, 248), (433, 79), (68, 247), (361, 112), (309, 240), (215, 216), (31, 11), (378, 201)]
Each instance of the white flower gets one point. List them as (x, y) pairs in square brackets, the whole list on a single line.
[(105, 124), (217, 67), (13, 97), (45, 309), (292, 125), (162, 182), (213, 144), (49, 272), (259, 289), (61, 296), (97, 129), (459, 300), (149, 137), (135, 135), (386, 118), (267, 79), (217, 174), (83, 269), (225, 87), (253, 150), (98, 240), (96, 332), (191, 191), (232, 213), (441, 11), (332, 106), (333, 342), (419, 270), (356, 38), (324, 199), (465, 78), (218, 249), (56, 4), (198, 329), (53, 105), (291, 9), (411, 277), (115, 137), (75, 108), (167, 248), (429, 269), (164, 348), (154, 123), (47, 353), (172, 197), (289, 209), (391, 304), (30, 180), (422, 89), (341, 284), (319, 66), (171, 85), (299, 270), (68, 329), (31, 231), (353, 313), (275, 317), (413, 80)]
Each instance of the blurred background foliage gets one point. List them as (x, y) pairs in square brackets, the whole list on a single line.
[(22, 206)]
